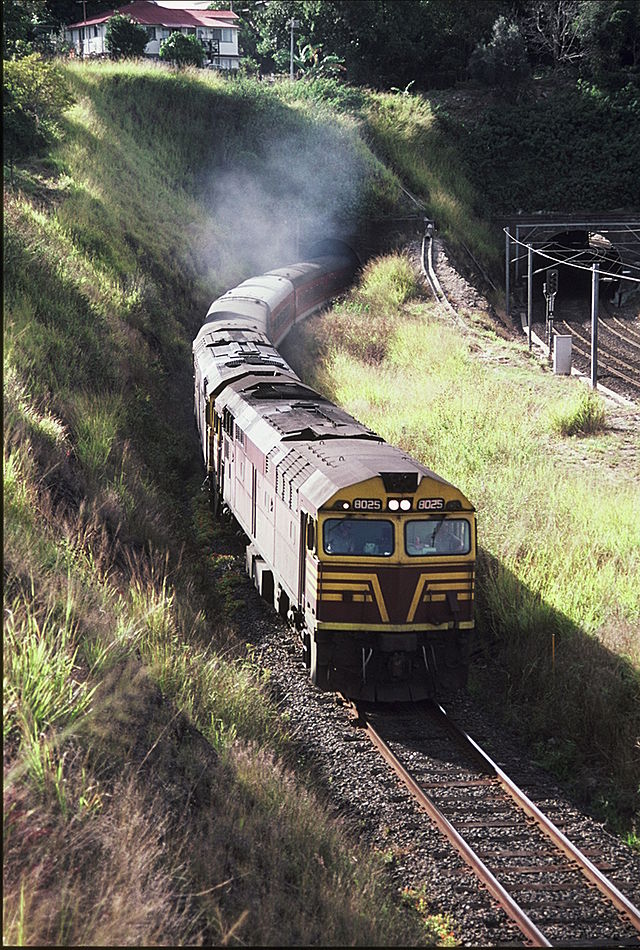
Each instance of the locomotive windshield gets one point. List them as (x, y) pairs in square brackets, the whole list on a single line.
[(437, 536), (364, 538)]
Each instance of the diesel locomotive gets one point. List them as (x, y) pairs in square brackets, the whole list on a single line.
[(368, 553)]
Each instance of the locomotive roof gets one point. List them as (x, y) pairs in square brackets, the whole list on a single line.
[(299, 430)]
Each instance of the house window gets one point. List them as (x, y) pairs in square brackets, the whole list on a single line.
[(224, 35), (151, 32), (95, 31)]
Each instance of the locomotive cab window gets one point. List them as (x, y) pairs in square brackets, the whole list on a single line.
[(358, 537), (437, 536)]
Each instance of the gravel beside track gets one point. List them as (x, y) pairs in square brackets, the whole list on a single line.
[(363, 790)]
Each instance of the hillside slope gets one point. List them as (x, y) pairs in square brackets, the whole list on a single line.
[(152, 792), (149, 796)]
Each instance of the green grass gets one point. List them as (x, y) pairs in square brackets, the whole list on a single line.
[(560, 540), (150, 792), (583, 414)]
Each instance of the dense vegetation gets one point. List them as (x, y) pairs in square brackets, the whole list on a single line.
[(561, 660), (152, 792), (148, 775), (593, 137)]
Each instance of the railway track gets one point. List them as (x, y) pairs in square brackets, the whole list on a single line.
[(613, 348), (555, 893)]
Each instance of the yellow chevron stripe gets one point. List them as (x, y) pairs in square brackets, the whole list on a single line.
[(358, 579), (395, 627), (454, 576), (422, 580), (356, 598), (442, 585), (343, 585)]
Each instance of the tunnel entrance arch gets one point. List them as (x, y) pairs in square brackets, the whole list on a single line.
[(572, 244), (585, 264)]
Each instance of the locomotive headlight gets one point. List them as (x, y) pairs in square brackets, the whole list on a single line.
[(394, 504), (405, 504), (345, 505)]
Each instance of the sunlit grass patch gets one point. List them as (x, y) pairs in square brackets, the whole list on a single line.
[(221, 693), (581, 414), (96, 419), (388, 282), (42, 687)]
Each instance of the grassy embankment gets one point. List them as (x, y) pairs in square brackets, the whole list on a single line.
[(149, 790), (557, 511)]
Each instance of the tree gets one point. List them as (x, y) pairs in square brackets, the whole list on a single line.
[(34, 97), (381, 42), (124, 37), (310, 62), (503, 61), (549, 27), (17, 28), (610, 35), (182, 49)]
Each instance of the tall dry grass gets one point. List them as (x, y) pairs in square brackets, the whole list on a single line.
[(558, 603), (150, 796)]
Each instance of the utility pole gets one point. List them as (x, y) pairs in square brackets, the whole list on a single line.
[(529, 292), (595, 274), (84, 26), (293, 24), (507, 258)]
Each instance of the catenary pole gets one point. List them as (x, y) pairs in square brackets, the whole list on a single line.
[(507, 256), (529, 292), (594, 325)]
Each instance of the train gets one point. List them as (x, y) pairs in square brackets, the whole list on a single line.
[(366, 552)]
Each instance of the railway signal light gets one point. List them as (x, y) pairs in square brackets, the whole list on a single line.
[(552, 281)]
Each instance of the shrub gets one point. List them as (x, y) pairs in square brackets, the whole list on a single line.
[(503, 61), (389, 282), (182, 49), (124, 37), (35, 96)]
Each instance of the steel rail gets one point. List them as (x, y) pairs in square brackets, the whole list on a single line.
[(621, 336), (604, 347), (604, 885), (514, 911), (629, 330), (610, 370), (429, 272)]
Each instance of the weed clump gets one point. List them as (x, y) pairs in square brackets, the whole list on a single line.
[(388, 282), (579, 415)]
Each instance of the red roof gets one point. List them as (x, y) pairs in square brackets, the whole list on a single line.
[(150, 14)]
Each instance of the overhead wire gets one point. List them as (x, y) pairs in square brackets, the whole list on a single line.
[(617, 276)]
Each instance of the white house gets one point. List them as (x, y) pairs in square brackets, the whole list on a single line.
[(216, 29)]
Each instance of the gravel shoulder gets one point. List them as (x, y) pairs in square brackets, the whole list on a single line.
[(357, 785)]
